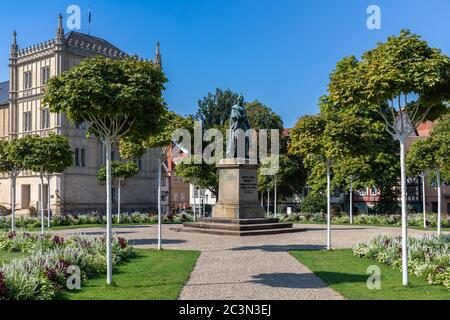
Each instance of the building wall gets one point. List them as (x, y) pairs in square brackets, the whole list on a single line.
[(77, 189)]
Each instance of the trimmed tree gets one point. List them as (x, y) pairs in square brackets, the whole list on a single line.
[(162, 143), (117, 98), (12, 154), (409, 82), (48, 156), (120, 172)]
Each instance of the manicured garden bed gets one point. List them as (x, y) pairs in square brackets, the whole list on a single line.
[(150, 275), (415, 221), (347, 274), (89, 221)]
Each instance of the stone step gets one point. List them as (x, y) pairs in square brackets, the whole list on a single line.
[(238, 227), (239, 221), (238, 233)]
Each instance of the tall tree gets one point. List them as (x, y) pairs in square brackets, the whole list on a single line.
[(120, 172), (408, 82), (117, 98), (48, 156), (12, 154), (214, 110)]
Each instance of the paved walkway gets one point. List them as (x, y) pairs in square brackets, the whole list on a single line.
[(251, 268)]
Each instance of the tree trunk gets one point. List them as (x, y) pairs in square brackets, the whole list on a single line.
[(404, 215), (204, 203), (439, 191), (268, 203), (262, 199), (195, 204), (49, 215), (424, 201), (119, 186), (351, 200), (275, 210), (328, 205), (109, 279), (41, 205), (159, 207), (13, 202)]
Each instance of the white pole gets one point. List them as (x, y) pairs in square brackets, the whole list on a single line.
[(195, 204), (351, 200), (424, 201), (328, 204), (109, 279), (159, 208), (262, 199), (439, 190), (48, 202), (275, 210), (13, 203), (41, 205), (204, 204), (118, 201), (404, 215)]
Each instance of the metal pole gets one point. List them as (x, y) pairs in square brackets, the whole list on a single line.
[(118, 202), (108, 212)]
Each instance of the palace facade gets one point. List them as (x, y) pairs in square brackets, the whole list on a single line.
[(23, 113)]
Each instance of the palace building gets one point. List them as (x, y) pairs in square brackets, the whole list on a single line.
[(22, 113)]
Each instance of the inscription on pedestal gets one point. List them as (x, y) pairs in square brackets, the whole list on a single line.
[(248, 184)]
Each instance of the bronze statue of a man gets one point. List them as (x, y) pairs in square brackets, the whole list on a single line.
[(239, 125)]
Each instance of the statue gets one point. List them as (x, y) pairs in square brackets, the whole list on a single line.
[(238, 125)]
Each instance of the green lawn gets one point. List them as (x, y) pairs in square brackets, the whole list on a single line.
[(151, 275), (347, 275)]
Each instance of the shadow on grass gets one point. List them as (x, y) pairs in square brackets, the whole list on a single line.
[(306, 280)]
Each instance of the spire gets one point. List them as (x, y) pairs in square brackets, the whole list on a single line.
[(60, 31), (14, 46), (158, 58)]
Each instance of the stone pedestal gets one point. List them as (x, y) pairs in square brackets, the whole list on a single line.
[(238, 211), (238, 191)]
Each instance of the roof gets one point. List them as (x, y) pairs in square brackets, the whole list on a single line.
[(77, 37), (4, 93)]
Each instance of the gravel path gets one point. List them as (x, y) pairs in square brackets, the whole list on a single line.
[(251, 268)]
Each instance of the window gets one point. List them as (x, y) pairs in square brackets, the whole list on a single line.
[(27, 80), (45, 118), (183, 197), (27, 121), (139, 163), (80, 158), (81, 126), (373, 191), (45, 75), (175, 196), (362, 192)]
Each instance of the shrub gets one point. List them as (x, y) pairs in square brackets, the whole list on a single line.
[(43, 275), (313, 203), (429, 256)]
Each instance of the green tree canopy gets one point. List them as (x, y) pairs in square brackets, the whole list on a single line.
[(116, 97), (120, 171)]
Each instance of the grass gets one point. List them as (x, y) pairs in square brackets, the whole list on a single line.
[(347, 275), (151, 275)]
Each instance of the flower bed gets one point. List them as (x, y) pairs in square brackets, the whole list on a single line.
[(90, 219), (43, 275), (429, 257), (414, 220)]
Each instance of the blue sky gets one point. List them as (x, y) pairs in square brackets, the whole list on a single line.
[(277, 51)]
